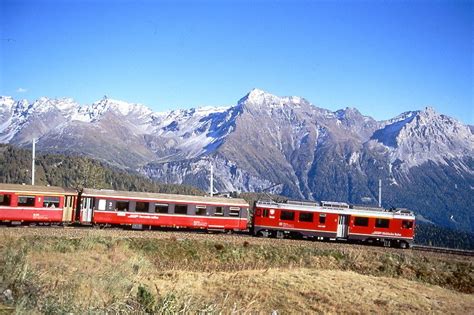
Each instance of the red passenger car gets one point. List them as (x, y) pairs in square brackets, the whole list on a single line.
[(25, 203), (334, 220), (139, 209)]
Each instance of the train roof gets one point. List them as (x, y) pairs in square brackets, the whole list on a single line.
[(87, 192), (17, 188)]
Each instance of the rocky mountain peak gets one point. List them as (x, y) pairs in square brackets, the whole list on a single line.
[(256, 93), (257, 96), (433, 122), (429, 110), (6, 103), (6, 99), (357, 124), (260, 100), (420, 136), (350, 113), (45, 104), (97, 109)]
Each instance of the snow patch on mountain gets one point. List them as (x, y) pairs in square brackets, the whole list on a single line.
[(95, 111), (197, 131), (257, 96), (6, 103), (354, 158)]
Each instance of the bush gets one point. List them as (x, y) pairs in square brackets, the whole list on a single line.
[(145, 299)]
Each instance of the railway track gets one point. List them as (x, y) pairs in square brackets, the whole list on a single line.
[(444, 250)]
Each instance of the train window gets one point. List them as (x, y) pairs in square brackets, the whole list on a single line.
[(306, 217), (382, 223), (51, 202), (161, 208), (102, 204), (287, 215), (322, 218), (234, 211), (361, 221), (407, 224), (26, 201), (219, 212), (181, 209), (121, 205), (142, 206), (5, 200), (201, 210), (265, 213)]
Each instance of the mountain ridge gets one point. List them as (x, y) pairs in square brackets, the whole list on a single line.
[(302, 151)]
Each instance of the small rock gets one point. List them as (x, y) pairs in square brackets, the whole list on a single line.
[(8, 295)]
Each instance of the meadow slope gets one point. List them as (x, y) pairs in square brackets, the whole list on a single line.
[(57, 270)]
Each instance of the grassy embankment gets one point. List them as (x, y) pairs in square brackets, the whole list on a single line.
[(102, 273)]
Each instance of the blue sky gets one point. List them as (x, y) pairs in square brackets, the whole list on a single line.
[(381, 57)]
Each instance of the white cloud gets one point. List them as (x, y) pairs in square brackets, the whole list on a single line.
[(21, 90)]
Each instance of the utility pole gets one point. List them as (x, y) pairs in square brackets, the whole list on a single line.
[(212, 181), (380, 193), (33, 163)]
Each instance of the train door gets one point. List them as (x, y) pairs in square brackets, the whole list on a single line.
[(342, 226), (244, 219), (86, 210), (68, 208)]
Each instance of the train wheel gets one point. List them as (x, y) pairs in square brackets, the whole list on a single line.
[(403, 245), (265, 234)]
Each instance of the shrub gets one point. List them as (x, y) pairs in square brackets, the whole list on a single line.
[(145, 299)]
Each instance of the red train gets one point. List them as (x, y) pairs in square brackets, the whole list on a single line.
[(326, 220), (23, 203), (334, 220), (138, 209), (46, 205)]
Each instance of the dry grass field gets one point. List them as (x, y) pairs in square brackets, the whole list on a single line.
[(56, 270)]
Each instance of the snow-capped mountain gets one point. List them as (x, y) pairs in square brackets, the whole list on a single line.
[(22, 121), (95, 111), (424, 158), (118, 132), (426, 135)]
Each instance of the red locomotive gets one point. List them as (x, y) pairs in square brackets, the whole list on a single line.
[(325, 220), (334, 220)]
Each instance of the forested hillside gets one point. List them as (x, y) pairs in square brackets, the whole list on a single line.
[(77, 172), (433, 235)]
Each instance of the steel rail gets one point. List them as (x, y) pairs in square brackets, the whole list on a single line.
[(445, 250)]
